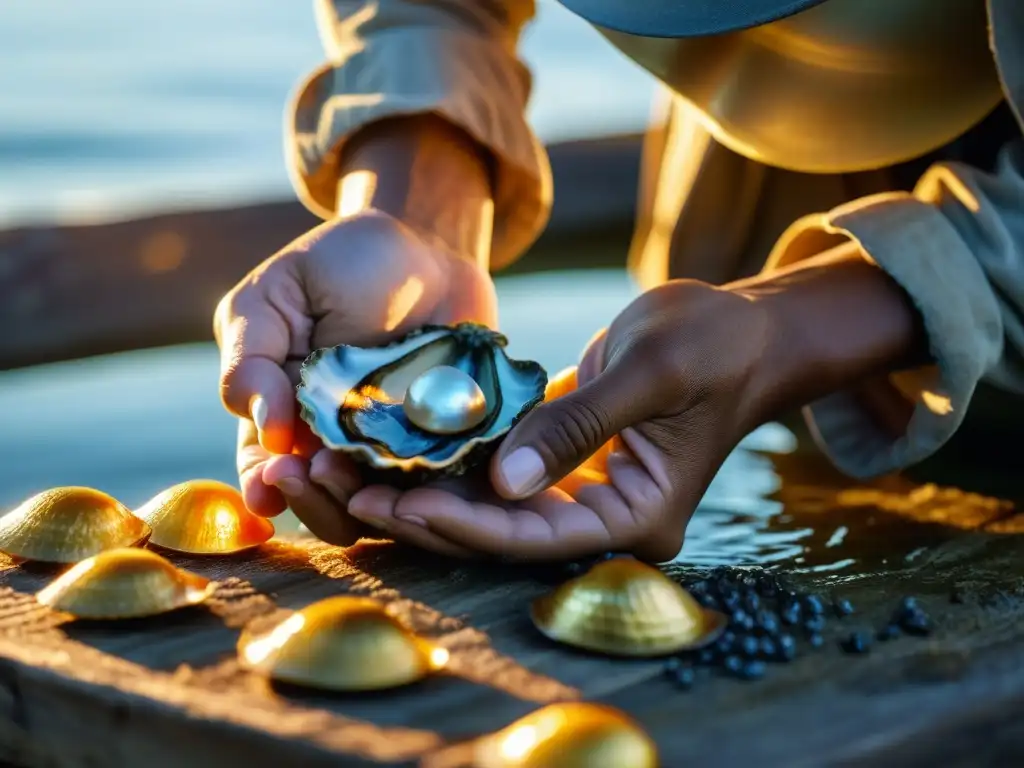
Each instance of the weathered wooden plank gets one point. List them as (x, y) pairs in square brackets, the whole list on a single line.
[(168, 692)]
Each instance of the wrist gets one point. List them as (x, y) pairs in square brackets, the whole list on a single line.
[(834, 322), (427, 173)]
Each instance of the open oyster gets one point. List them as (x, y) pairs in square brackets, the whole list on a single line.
[(433, 403)]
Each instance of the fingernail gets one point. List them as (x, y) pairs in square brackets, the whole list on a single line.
[(414, 520), (258, 409), (290, 486), (522, 470), (380, 523)]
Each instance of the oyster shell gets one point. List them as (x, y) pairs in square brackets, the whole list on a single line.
[(69, 524), (124, 584), (568, 735), (623, 607), (433, 403), (203, 517), (343, 643)]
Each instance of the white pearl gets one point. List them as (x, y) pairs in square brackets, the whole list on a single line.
[(445, 401)]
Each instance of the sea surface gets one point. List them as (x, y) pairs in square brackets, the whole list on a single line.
[(112, 107)]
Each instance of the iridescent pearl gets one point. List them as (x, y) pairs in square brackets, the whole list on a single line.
[(445, 401)]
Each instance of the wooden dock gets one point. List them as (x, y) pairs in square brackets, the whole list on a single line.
[(169, 692)]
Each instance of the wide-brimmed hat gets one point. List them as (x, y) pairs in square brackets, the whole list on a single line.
[(684, 18)]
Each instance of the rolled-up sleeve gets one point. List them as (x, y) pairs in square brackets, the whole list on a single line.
[(956, 246), (454, 58)]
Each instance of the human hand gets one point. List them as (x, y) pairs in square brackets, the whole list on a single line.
[(358, 280), (619, 462), (622, 450)]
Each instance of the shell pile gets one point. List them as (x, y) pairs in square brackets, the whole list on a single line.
[(623, 607), (434, 403), (342, 643), (111, 576)]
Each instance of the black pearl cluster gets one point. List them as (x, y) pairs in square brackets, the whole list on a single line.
[(769, 623)]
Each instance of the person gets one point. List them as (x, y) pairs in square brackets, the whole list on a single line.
[(879, 211)]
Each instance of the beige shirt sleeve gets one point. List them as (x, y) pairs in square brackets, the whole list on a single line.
[(956, 245), (455, 58)]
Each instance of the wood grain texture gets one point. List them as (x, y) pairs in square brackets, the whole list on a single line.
[(168, 691)]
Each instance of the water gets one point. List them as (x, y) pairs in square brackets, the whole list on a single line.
[(115, 107)]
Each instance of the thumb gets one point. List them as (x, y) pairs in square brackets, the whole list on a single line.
[(560, 435), (254, 344)]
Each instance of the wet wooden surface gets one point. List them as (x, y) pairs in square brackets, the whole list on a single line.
[(168, 691)]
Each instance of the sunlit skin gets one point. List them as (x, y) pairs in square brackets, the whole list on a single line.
[(624, 447)]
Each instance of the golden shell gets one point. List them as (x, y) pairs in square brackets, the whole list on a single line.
[(204, 517), (568, 735), (343, 643), (124, 584), (623, 607), (69, 524)]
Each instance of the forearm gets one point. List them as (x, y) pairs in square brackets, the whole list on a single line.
[(835, 321), (427, 173)]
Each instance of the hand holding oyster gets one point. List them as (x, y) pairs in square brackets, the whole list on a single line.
[(435, 403)]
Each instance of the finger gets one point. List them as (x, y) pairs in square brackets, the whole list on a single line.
[(312, 505), (557, 528), (255, 340), (622, 515), (384, 509), (259, 498), (336, 474), (561, 434), (592, 359)]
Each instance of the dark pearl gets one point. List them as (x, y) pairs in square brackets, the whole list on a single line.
[(752, 602), (816, 640), (733, 664), (908, 604), (843, 607), (916, 624), (814, 605), (791, 614), (750, 646), (857, 642), (684, 677), (888, 632), (725, 643), (787, 647), (753, 670), (815, 624), (769, 649), (672, 665), (708, 601), (706, 656), (768, 622)]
